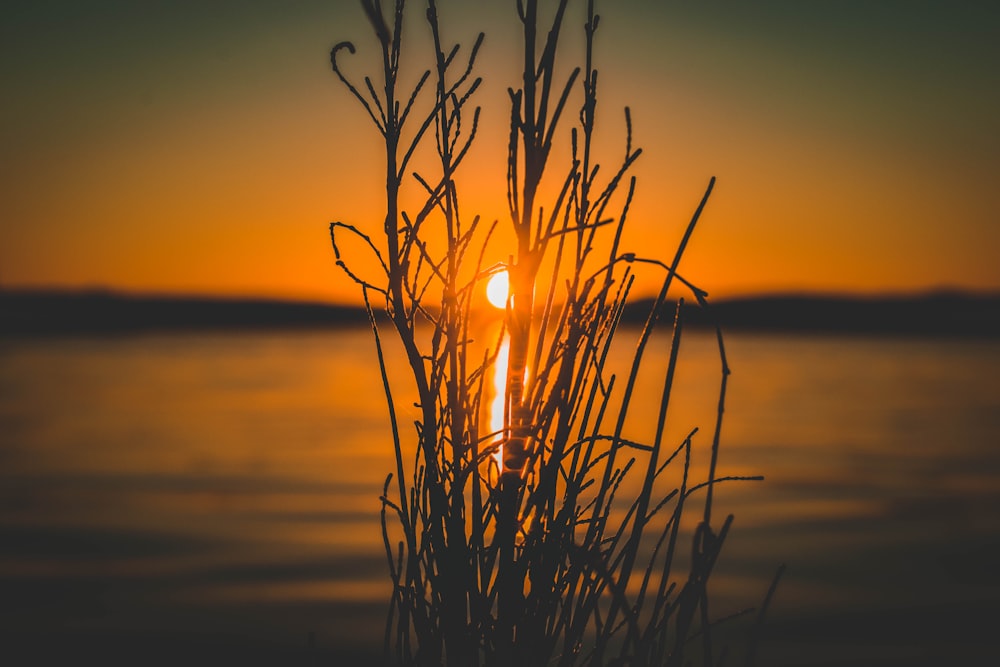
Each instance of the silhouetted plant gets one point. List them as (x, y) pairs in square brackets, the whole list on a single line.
[(536, 560)]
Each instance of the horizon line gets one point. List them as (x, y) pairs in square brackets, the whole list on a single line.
[(885, 294), (97, 311)]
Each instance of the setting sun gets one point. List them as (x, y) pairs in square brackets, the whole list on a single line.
[(497, 290)]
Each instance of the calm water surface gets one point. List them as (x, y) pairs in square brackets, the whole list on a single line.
[(212, 497)]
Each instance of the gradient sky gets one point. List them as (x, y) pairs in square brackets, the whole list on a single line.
[(203, 147)]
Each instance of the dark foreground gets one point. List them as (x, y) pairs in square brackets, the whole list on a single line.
[(207, 498)]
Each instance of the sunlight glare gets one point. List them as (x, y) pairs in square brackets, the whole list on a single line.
[(499, 388), (497, 289)]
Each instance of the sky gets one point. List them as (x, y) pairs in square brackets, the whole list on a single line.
[(204, 147)]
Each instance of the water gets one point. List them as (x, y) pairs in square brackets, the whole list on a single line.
[(210, 497)]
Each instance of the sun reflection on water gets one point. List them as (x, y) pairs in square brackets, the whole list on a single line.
[(498, 403)]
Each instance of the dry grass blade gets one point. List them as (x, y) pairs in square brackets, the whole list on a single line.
[(546, 557)]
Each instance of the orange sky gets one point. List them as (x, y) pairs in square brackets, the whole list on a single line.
[(200, 149)]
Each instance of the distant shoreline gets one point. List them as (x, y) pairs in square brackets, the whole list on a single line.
[(53, 312), (934, 314)]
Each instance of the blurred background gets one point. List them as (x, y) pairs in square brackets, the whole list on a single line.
[(203, 148), (176, 491)]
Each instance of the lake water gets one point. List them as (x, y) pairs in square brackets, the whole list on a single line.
[(213, 497)]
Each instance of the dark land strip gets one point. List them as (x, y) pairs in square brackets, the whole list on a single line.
[(53, 312)]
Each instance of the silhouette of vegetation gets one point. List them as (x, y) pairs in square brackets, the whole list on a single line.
[(539, 559)]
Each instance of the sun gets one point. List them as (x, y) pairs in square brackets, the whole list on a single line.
[(497, 289)]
